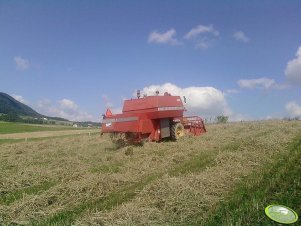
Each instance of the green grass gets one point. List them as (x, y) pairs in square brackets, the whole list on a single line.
[(12, 196), (198, 163), (278, 183), (11, 127)]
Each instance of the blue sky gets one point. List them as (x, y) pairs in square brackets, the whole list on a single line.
[(74, 58)]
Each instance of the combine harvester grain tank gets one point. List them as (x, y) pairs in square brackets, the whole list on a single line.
[(151, 118)]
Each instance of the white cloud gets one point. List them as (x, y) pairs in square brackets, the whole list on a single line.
[(293, 109), (68, 105), (201, 29), (203, 101), (293, 69), (240, 36), (231, 91), (201, 45), (163, 38), (64, 108), (20, 98), (21, 63), (258, 83)]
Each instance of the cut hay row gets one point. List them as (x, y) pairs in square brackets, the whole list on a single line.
[(182, 199), (85, 180), (41, 134), (276, 183)]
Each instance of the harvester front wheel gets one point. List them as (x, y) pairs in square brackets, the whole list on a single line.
[(118, 139), (177, 131)]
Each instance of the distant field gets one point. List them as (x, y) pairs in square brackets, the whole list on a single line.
[(225, 177), (10, 127)]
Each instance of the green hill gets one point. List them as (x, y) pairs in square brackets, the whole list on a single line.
[(10, 106)]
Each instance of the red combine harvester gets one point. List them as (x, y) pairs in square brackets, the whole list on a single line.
[(151, 118)]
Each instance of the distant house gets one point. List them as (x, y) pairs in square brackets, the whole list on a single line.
[(45, 119), (74, 125)]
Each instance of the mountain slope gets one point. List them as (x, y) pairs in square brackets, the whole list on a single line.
[(9, 105)]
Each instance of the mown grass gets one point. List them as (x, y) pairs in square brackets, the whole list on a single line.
[(18, 140), (278, 183), (10, 141), (105, 169), (11, 127), (100, 185), (67, 217), (113, 199), (12, 196)]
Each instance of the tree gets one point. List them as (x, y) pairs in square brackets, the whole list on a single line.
[(222, 119)]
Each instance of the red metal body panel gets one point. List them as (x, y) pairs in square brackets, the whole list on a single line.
[(151, 103), (142, 116)]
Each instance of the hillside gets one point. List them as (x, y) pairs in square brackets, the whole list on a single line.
[(9, 105)]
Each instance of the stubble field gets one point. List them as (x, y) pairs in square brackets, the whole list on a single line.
[(221, 178)]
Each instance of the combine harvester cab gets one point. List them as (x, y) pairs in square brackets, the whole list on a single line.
[(151, 118)]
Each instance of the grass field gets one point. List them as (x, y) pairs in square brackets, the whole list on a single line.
[(225, 177), (11, 127)]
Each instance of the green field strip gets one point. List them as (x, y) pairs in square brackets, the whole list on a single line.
[(10, 127)]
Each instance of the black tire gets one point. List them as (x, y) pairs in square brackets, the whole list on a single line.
[(177, 131)]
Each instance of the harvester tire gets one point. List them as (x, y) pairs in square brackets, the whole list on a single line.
[(177, 131), (118, 139)]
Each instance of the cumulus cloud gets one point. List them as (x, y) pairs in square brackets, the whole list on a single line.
[(293, 109), (263, 82), (201, 29), (203, 101), (21, 63), (163, 38), (293, 69), (241, 37), (64, 108), (20, 98)]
